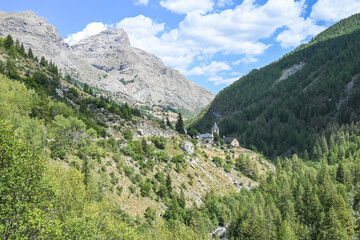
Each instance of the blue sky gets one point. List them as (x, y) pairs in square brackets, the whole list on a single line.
[(212, 42)]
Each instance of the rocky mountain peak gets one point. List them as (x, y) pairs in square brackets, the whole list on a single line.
[(107, 39), (144, 75)]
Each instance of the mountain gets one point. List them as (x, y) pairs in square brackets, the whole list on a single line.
[(35, 33), (145, 77), (112, 65), (292, 104)]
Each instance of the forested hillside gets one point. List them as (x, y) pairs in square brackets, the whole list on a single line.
[(75, 165), (287, 106)]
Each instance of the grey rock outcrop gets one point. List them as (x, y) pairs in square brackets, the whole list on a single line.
[(144, 75), (188, 147)]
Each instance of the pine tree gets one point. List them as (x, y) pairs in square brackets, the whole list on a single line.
[(180, 124), (43, 62), (30, 53), (8, 42), (86, 88), (285, 232)]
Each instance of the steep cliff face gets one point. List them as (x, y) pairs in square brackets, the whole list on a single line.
[(108, 62), (144, 75)]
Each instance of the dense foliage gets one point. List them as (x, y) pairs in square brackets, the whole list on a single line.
[(288, 116)]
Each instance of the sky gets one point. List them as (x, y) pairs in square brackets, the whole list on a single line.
[(211, 42)]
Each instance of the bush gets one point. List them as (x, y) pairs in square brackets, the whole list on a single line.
[(132, 189), (217, 161), (162, 157), (119, 190), (128, 171), (160, 142), (178, 159), (127, 134)]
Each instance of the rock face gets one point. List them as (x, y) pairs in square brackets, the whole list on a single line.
[(145, 77), (108, 62), (44, 40)]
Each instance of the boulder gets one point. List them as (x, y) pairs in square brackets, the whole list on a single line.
[(188, 147)]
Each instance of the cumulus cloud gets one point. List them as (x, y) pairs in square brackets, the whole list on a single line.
[(334, 10), (212, 68), (90, 29), (141, 2), (186, 6), (220, 80), (140, 26)]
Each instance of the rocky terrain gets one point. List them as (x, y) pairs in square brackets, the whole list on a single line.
[(109, 63), (145, 77)]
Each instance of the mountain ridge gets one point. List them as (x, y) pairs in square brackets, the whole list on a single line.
[(144, 75)]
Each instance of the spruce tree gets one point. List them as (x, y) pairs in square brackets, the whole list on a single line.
[(8, 42), (30, 53), (180, 124)]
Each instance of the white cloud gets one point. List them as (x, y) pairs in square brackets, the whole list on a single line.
[(334, 10), (220, 80), (141, 2), (186, 6), (90, 29), (140, 26), (213, 68), (297, 32)]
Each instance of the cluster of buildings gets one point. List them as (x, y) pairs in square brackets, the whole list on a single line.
[(208, 138)]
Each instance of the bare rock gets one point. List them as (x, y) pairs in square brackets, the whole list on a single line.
[(188, 147)]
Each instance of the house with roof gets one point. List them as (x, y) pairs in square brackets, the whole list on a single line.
[(232, 141)]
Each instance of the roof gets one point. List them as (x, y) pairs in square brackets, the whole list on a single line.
[(206, 135), (229, 139), (215, 126)]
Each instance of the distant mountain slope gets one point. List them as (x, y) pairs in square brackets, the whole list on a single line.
[(289, 105), (126, 73), (145, 77)]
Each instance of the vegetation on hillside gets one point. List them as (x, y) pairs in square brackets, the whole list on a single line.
[(69, 163), (80, 152)]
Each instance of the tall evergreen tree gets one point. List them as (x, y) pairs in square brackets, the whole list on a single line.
[(30, 53), (180, 124), (8, 42)]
